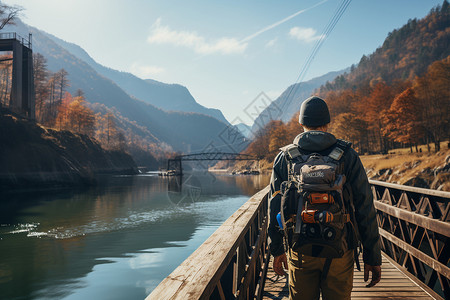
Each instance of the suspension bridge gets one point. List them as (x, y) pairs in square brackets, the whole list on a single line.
[(175, 167)]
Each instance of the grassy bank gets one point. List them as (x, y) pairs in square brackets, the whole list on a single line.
[(422, 169)]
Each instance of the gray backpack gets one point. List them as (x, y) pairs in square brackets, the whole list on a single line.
[(314, 215)]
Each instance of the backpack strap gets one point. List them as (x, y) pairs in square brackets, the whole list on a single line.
[(291, 152), (339, 150)]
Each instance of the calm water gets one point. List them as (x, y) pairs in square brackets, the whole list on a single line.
[(115, 241)]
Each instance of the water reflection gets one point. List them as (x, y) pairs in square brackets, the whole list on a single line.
[(117, 240)]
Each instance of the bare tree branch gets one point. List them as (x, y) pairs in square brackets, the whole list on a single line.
[(8, 14)]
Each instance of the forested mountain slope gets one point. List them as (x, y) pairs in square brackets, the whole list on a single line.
[(169, 97), (178, 131), (396, 97)]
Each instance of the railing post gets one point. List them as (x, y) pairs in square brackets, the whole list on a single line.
[(233, 254)]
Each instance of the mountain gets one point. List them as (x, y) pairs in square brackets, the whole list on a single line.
[(181, 131), (170, 97), (406, 52), (288, 103), (244, 129), (398, 95)]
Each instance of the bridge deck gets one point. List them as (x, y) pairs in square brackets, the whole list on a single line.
[(394, 284)]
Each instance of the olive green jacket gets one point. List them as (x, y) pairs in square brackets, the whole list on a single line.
[(358, 190)]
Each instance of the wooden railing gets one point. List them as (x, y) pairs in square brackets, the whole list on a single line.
[(230, 264), (415, 231)]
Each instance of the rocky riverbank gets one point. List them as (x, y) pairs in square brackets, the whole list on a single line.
[(33, 157), (426, 169)]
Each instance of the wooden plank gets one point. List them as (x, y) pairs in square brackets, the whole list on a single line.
[(261, 282), (374, 293), (195, 279), (387, 287), (381, 297), (221, 293), (394, 284), (414, 279), (434, 225), (398, 283)]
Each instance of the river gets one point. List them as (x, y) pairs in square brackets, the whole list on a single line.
[(116, 240)]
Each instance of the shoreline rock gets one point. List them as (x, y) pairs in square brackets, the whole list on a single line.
[(35, 157)]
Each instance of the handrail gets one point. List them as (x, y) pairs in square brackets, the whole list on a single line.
[(415, 231), (16, 36), (230, 264), (411, 189)]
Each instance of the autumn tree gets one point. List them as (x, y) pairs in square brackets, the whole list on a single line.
[(293, 129), (56, 86), (107, 132), (79, 93), (373, 108), (62, 82), (80, 118), (278, 137), (260, 145), (342, 102), (433, 92), (404, 124), (62, 120), (41, 74), (352, 128)]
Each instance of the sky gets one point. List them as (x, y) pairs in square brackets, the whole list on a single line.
[(225, 52)]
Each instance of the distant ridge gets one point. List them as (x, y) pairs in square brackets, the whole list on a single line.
[(284, 108), (179, 131), (170, 97)]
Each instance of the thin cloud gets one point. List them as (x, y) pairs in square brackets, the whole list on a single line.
[(190, 39), (252, 36), (146, 71), (164, 35), (271, 43), (307, 35)]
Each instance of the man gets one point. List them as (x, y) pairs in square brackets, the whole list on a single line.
[(308, 275)]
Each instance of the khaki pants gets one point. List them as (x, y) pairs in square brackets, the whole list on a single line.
[(305, 277)]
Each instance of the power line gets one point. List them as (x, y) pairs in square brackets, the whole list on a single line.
[(326, 32)]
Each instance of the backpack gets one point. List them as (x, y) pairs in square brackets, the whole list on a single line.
[(314, 215)]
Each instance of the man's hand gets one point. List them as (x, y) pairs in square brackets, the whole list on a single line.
[(278, 263), (376, 274)]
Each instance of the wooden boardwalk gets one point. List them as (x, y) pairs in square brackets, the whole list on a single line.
[(232, 263), (394, 284)]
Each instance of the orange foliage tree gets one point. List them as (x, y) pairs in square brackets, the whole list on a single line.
[(63, 110), (433, 93), (80, 118), (373, 109), (404, 123)]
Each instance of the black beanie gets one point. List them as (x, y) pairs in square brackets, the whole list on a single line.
[(314, 112)]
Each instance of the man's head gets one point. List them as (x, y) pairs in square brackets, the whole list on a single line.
[(314, 114)]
